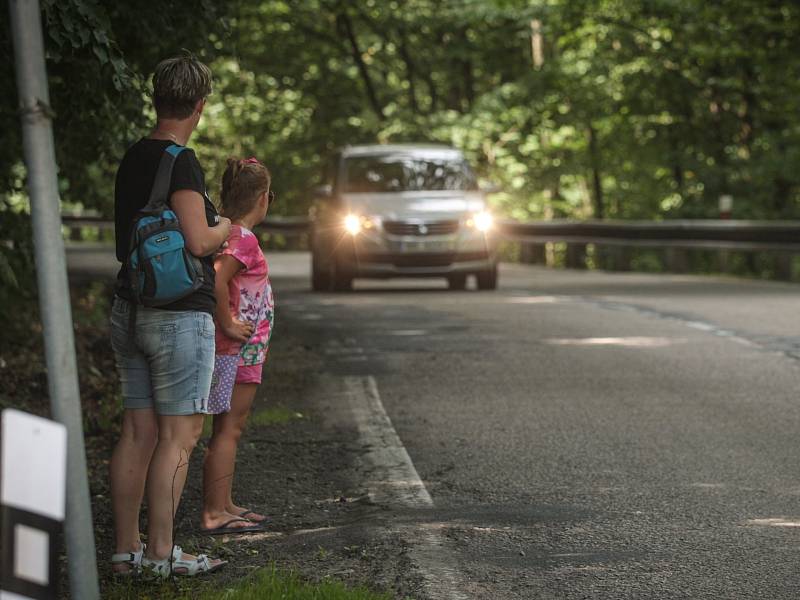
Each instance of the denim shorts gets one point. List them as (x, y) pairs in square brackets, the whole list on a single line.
[(167, 363)]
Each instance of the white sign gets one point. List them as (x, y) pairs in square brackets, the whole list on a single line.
[(34, 464), (725, 203)]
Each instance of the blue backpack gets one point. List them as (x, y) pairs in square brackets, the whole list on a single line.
[(160, 268)]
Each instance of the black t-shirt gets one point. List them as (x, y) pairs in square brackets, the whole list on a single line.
[(135, 178)]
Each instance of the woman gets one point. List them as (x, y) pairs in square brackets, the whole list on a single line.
[(165, 363)]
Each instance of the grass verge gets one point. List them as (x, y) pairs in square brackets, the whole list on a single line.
[(274, 415), (269, 583)]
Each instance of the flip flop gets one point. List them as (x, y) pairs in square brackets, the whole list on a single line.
[(225, 528), (246, 512)]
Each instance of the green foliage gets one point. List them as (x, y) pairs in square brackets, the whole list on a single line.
[(635, 109), (17, 272), (98, 57)]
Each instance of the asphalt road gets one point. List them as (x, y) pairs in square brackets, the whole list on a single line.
[(584, 435)]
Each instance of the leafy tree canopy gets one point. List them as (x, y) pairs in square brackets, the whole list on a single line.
[(580, 108)]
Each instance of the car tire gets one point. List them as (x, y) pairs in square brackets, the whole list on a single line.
[(341, 282), (320, 277), (320, 281), (487, 280), (457, 281)]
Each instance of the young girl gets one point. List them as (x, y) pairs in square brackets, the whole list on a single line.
[(244, 318)]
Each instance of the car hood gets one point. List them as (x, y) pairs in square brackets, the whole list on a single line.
[(415, 205)]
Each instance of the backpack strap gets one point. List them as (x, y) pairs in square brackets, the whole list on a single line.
[(160, 191), (157, 202)]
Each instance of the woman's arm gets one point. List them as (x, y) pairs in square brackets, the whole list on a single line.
[(201, 240), (226, 267)]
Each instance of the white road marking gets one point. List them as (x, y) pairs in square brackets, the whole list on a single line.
[(340, 350), (625, 342), (700, 325), (706, 327), (394, 481), (533, 299), (774, 522), (310, 317), (409, 332)]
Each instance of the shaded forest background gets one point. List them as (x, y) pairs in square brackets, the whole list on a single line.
[(617, 109)]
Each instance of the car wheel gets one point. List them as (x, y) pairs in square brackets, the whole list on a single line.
[(457, 282), (487, 280), (320, 277), (342, 282), (320, 281)]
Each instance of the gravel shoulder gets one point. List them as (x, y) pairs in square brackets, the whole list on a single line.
[(301, 468)]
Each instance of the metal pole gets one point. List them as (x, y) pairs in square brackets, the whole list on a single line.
[(51, 274)]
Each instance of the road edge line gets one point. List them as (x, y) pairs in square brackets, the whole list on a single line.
[(396, 482)]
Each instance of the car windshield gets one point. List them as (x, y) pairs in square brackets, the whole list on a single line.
[(405, 173)]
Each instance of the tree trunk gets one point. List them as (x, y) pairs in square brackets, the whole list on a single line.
[(467, 74), (345, 26), (597, 184)]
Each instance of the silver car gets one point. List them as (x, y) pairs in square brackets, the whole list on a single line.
[(401, 211)]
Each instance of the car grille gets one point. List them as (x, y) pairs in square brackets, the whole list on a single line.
[(427, 259), (420, 228)]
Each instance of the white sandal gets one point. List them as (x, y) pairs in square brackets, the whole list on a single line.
[(132, 559), (177, 565)]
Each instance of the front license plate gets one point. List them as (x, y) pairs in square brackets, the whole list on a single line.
[(426, 246)]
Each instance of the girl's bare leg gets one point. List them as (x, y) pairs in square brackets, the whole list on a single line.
[(221, 459)]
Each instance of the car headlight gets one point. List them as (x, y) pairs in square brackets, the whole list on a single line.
[(482, 221), (354, 224)]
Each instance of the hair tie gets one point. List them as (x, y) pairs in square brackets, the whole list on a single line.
[(250, 161)]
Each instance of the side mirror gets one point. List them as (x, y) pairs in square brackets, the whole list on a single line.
[(490, 188), (323, 191)]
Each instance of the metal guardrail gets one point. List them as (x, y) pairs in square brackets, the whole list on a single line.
[(700, 233), (613, 240)]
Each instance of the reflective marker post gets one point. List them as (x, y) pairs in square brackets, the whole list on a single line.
[(33, 480), (725, 206), (51, 274)]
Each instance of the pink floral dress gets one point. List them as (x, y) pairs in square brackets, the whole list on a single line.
[(251, 301)]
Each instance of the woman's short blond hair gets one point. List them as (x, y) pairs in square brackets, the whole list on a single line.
[(179, 83)]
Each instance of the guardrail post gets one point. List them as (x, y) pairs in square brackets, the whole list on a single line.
[(677, 260), (614, 258), (532, 254), (724, 261), (784, 262), (576, 256)]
